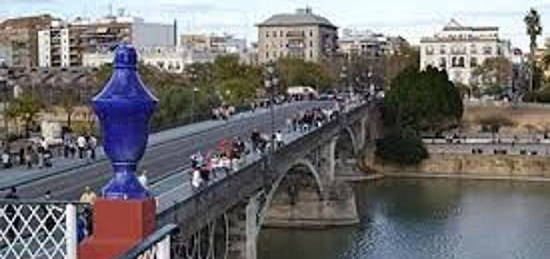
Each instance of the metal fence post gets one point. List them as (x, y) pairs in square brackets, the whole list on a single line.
[(71, 231)]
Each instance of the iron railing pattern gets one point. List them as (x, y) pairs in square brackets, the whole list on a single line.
[(38, 229)]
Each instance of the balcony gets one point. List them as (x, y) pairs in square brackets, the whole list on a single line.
[(296, 34)]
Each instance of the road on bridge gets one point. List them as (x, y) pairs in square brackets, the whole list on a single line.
[(161, 160)]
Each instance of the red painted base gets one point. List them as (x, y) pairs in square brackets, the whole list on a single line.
[(118, 226)]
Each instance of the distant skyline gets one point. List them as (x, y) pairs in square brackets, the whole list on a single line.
[(410, 19)]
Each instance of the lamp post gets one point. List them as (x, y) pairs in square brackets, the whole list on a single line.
[(195, 90), (270, 83)]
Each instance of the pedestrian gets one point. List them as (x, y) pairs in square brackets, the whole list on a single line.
[(22, 156), (40, 156), (48, 158), (6, 159), (196, 179), (28, 157), (92, 145), (66, 144), (11, 214), (88, 196), (81, 145), (279, 139), (142, 178)]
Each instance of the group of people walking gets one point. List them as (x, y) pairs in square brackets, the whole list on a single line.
[(224, 159), (84, 146), (39, 154)]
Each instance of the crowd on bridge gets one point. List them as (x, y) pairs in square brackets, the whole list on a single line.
[(230, 154)]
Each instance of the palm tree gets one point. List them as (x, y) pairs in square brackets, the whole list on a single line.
[(534, 29)]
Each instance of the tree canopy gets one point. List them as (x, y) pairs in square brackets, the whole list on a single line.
[(494, 74), (298, 72), (422, 100)]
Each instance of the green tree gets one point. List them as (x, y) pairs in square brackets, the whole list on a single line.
[(298, 72), (403, 149), (534, 29), (25, 108), (422, 100), (69, 100), (493, 75), (399, 61)]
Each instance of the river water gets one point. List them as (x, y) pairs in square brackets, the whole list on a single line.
[(429, 218)]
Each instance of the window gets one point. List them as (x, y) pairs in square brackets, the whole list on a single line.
[(429, 50), (442, 63), (274, 54), (281, 34), (473, 62), (487, 50), (461, 62), (267, 55), (310, 33), (267, 34), (311, 54), (274, 34), (311, 43), (442, 50), (473, 49)]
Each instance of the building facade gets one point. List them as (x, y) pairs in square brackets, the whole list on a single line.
[(169, 59), (460, 49), (301, 34), (225, 44), (18, 39), (368, 43), (65, 44)]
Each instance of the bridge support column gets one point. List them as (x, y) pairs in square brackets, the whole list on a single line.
[(243, 230), (309, 209)]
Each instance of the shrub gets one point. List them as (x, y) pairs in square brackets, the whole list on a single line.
[(401, 149)]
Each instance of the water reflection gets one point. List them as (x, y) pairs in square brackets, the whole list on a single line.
[(435, 218)]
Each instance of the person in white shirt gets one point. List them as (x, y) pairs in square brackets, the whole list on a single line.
[(6, 159), (196, 179), (279, 139), (142, 178), (81, 144), (92, 144)]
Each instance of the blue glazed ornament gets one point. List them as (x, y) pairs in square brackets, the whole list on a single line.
[(124, 108)]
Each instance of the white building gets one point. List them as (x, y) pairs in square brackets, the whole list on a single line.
[(170, 59), (460, 49), (367, 42), (54, 46)]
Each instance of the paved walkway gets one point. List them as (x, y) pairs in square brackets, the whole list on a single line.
[(21, 175)]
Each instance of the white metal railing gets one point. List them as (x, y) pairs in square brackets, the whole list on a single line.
[(38, 229), (156, 246)]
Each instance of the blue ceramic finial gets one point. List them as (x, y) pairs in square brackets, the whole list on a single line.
[(124, 108)]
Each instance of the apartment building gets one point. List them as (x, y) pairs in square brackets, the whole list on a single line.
[(302, 34)]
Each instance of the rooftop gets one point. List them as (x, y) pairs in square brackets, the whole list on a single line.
[(300, 17), (454, 25)]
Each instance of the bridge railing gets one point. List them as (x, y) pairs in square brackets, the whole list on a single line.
[(39, 229), (157, 245)]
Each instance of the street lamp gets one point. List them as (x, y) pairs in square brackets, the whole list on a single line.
[(271, 81), (195, 90), (343, 77)]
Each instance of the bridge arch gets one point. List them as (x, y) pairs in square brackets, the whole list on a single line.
[(299, 177)]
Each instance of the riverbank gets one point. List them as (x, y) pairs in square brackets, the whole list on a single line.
[(485, 167)]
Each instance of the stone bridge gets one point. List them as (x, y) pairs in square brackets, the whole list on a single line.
[(300, 185)]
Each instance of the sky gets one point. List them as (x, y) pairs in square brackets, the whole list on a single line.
[(411, 19)]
